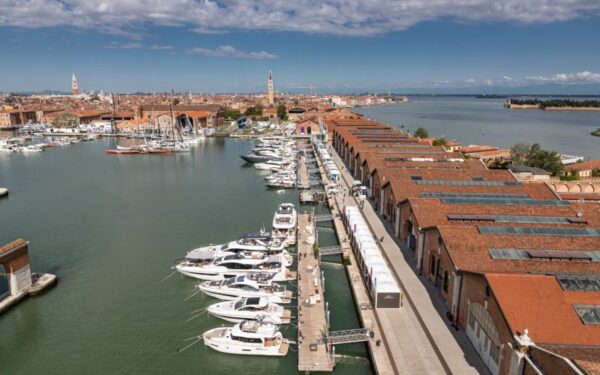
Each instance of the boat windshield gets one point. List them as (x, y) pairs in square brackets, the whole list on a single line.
[(239, 304)]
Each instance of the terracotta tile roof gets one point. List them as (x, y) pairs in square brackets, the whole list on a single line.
[(478, 148), (430, 212), (469, 251), (538, 303), (586, 358), (580, 196), (583, 166)]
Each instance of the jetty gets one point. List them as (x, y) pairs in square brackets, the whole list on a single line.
[(21, 281), (314, 354), (379, 347)]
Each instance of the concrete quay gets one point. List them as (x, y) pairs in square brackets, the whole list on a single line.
[(313, 354), (419, 337)]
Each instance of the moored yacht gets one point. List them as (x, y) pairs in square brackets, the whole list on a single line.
[(242, 286), (261, 242), (249, 337), (284, 223), (250, 308), (232, 264)]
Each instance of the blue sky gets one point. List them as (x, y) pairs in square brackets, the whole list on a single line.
[(348, 46)]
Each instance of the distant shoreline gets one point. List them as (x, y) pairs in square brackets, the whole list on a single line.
[(555, 109)]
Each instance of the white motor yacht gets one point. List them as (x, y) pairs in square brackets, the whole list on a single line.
[(284, 223), (250, 308), (242, 286), (250, 242), (249, 337), (232, 264)]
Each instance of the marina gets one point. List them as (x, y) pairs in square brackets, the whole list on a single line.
[(151, 312)]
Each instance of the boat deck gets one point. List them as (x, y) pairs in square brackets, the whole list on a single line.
[(283, 349), (313, 355)]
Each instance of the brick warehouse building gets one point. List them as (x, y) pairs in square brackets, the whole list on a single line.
[(500, 252)]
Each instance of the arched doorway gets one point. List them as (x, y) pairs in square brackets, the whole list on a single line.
[(185, 122), (484, 336)]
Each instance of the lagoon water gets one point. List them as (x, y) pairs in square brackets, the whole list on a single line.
[(485, 121), (110, 227)]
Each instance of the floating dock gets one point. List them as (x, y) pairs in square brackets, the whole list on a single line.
[(313, 353)]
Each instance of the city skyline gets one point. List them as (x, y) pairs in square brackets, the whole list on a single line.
[(337, 46)]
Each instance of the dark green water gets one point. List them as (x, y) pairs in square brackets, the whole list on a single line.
[(110, 228)]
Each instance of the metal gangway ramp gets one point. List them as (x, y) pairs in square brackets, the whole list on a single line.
[(347, 336), (330, 250), (321, 218)]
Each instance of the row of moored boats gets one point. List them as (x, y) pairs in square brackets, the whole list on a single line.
[(246, 274), (276, 156), (26, 145)]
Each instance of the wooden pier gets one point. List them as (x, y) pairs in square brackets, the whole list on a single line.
[(313, 353)]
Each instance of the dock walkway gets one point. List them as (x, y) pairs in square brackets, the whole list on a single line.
[(313, 354), (379, 349), (419, 338)]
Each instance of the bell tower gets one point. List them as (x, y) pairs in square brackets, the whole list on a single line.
[(270, 89), (74, 85)]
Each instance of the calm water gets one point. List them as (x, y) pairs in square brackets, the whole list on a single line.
[(485, 121), (110, 227)]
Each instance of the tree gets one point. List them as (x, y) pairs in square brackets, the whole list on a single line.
[(596, 172), (439, 142), (545, 159), (519, 152), (257, 110), (282, 112), (231, 114), (421, 133), (176, 101)]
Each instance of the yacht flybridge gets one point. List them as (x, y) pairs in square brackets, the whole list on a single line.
[(250, 308), (251, 242), (284, 223), (232, 264), (249, 337), (242, 286)]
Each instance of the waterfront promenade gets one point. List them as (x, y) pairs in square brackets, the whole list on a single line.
[(379, 348), (420, 339), (313, 354)]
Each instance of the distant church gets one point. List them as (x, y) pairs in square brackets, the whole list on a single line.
[(271, 97), (74, 85)]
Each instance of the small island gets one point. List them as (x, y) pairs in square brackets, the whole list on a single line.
[(554, 104), (596, 133)]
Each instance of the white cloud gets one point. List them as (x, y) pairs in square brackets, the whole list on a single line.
[(115, 45), (470, 80), (509, 79), (231, 52), (342, 17), (154, 47), (567, 78)]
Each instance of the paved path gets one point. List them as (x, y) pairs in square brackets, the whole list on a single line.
[(313, 355), (425, 341)]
